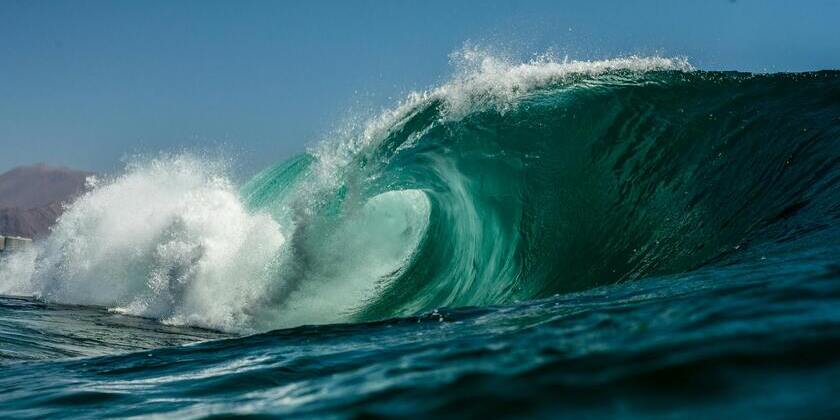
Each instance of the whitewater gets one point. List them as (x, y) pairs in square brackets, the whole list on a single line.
[(591, 231)]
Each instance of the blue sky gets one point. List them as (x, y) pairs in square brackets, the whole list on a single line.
[(84, 83)]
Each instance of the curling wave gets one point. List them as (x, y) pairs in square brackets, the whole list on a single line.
[(513, 181)]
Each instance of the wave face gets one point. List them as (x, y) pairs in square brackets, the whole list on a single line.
[(548, 178), (511, 182)]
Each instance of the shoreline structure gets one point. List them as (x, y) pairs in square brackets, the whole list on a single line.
[(13, 243)]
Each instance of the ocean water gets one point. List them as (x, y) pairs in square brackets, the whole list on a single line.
[(622, 238)]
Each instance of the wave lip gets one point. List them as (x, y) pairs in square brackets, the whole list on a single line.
[(482, 80)]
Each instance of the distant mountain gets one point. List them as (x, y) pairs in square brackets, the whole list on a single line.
[(29, 223), (31, 197)]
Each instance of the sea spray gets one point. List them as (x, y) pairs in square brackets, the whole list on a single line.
[(168, 239)]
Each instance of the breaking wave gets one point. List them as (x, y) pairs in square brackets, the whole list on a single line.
[(513, 181)]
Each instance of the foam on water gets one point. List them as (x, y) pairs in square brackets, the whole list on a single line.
[(168, 239)]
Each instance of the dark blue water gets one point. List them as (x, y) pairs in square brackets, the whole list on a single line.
[(758, 339)]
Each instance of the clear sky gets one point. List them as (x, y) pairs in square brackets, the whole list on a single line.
[(84, 83)]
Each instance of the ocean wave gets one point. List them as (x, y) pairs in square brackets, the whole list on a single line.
[(512, 181)]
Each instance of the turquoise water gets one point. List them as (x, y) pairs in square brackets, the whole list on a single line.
[(629, 237)]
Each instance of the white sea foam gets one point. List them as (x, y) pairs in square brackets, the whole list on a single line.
[(169, 239)]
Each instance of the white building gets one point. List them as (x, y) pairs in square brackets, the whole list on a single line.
[(12, 243)]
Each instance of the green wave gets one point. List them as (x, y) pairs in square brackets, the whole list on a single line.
[(580, 180)]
